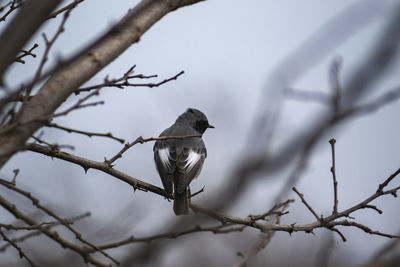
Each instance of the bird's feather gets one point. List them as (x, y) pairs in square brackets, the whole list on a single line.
[(164, 156), (192, 160)]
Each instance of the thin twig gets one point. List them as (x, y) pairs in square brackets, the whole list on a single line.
[(123, 82), (26, 53), (198, 192), (35, 228), (14, 180), (142, 140), (306, 204), (89, 134), (63, 9), (265, 239), (78, 105), (49, 44), (18, 248), (51, 233), (13, 5), (54, 147), (36, 203), (220, 229), (333, 171)]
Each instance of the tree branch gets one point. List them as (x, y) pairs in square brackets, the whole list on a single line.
[(81, 68), (333, 171), (90, 134), (50, 233), (30, 17), (35, 202), (18, 248), (87, 164)]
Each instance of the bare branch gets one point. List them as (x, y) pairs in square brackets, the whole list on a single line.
[(63, 9), (81, 68), (12, 6), (18, 248), (365, 228), (278, 210), (87, 164), (50, 233), (21, 28), (35, 202), (220, 229), (78, 105), (328, 222), (306, 204), (123, 82), (36, 227), (54, 147), (90, 134), (26, 53), (142, 140), (335, 183), (49, 44)]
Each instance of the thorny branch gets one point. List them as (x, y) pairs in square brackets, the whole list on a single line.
[(50, 233), (329, 222), (36, 202), (18, 248)]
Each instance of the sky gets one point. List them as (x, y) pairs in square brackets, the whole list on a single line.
[(228, 50)]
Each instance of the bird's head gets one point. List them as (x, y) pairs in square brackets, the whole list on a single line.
[(196, 119)]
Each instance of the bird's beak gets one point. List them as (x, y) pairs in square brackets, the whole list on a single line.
[(210, 126)]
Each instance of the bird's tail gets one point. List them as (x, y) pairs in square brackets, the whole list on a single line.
[(181, 202)]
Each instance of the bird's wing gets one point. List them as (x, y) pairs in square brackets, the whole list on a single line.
[(164, 158), (189, 164)]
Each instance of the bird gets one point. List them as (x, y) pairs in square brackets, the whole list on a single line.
[(180, 160)]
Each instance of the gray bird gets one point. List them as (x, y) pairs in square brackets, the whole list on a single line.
[(179, 161)]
